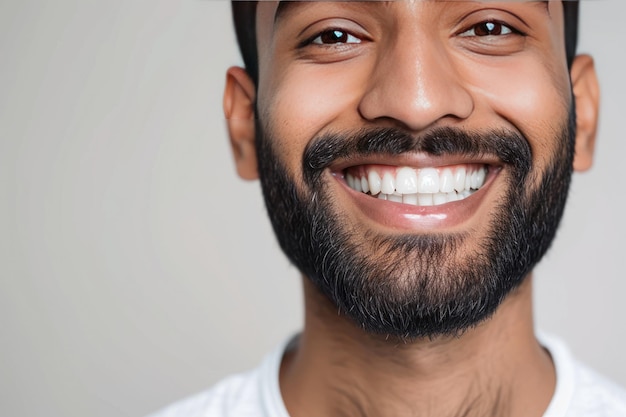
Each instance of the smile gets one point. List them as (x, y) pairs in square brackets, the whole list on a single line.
[(417, 187)]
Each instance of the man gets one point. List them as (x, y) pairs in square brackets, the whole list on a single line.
[(415, 158)]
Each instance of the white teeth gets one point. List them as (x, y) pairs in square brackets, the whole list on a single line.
[(459, 179), (410, 199), (482, 174), (420, 187), (446, 181), (389, 184), (428, 181), (350, 181), (375, 182), (473, 177), (365, 186), (406, 181), (439, 198), (397, 198), (418, 199), (357, 185), (452, 196), (425, 199)]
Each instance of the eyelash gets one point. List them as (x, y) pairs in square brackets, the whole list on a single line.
[(489, 27), (337, 33), (496, 26)]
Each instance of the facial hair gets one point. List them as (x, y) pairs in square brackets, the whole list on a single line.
[(411, 285)]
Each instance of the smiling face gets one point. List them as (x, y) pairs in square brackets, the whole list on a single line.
[(415, 156)]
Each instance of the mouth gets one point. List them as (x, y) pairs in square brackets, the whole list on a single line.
[(428, 186), (419, 192)]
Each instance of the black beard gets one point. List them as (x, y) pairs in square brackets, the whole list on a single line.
[(413, 286)]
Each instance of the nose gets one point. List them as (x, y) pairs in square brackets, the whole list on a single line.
[(415, 85)]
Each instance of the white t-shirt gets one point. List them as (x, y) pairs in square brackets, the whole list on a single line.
[(579, 392)]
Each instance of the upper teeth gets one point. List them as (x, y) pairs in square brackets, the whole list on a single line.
[(425, 186)]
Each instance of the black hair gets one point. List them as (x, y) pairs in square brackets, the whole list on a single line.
[(570, 14), (244, 16)]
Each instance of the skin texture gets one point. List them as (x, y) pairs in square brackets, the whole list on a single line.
[(414, 69)]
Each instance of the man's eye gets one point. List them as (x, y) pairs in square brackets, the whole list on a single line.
[(335, 36), (488, 29)]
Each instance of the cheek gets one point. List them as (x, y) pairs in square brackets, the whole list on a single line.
[(303, 101), (531, 96)]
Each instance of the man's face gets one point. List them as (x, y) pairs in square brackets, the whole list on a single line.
[(415, 155)]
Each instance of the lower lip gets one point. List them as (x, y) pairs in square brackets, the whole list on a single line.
[(408, 217)]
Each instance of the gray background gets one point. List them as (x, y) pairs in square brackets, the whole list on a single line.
[(136, 268)]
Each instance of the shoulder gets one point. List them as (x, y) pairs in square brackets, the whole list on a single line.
[(236, 395), (580, 391), (252, 394), (596, 396)]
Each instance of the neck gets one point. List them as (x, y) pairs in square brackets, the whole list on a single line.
[(497, 368)]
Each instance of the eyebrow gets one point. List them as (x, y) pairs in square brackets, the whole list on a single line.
[(285, 7)]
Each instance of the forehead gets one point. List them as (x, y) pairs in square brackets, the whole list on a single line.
[(279, 10), (272, 14), (283, 8)]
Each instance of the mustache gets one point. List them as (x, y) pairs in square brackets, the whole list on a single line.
[(508, 146)]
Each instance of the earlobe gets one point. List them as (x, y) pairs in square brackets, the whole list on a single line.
[(239, 98), (587, 95)]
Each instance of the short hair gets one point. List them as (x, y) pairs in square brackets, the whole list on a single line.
[(244, 16)]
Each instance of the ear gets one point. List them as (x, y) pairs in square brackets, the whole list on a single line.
[(239, 96), (587, 94)]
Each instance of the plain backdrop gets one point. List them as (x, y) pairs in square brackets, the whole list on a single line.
[(136, 268)]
